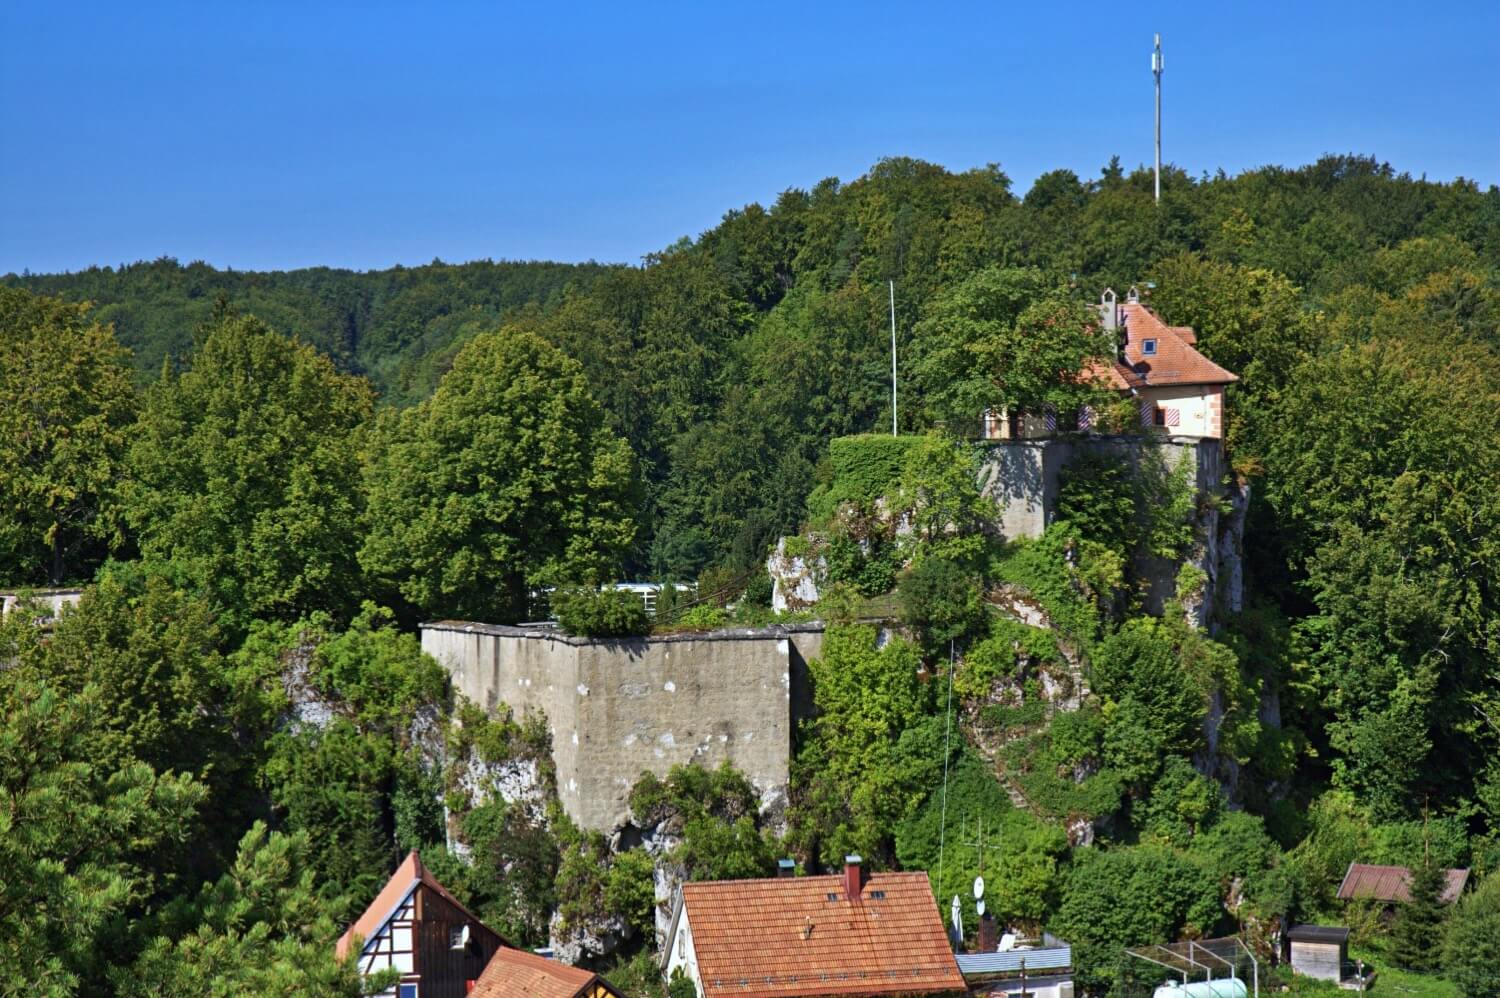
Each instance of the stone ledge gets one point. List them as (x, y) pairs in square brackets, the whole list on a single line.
[(774, 633)]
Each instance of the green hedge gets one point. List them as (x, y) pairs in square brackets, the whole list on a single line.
[(859, 469)]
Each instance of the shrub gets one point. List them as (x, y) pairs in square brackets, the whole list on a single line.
[(594, 613), (941, 600)]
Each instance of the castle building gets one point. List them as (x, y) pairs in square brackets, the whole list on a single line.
[(1177, 390)]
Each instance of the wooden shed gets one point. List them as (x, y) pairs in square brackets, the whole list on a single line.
[(1319, 951)]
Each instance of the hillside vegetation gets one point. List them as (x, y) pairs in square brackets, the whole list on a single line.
[(271, 477)]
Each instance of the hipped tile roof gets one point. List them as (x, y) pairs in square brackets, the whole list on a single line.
[(1393, 883), (805, 936), (1175, 362), (512, 972), (410, 873)]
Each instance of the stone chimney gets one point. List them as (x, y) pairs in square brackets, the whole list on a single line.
[(1109, 310), (854, 877), (786, 868)]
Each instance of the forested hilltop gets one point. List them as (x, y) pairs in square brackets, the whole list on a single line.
[(216, 760)]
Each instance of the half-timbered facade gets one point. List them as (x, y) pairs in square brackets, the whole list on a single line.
[(416, 926)]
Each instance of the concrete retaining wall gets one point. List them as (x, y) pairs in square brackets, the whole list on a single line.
[(617, 708)]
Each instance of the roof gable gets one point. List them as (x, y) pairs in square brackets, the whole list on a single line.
[(1174, 360), (392, 896), (790, 936)]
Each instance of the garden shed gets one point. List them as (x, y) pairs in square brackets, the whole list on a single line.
[(1319, 951)]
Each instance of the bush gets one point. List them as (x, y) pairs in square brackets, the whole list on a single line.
[(594, 613), (1472, 948), (941, 600), (859, 469)]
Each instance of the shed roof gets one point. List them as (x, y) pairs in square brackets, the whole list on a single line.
[(408, 875), (1393, 883), (1318, 934), (1050, 958), (517, 972), (790, 936)]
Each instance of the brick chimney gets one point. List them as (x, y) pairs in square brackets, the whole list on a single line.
[(854, 877), (786, 868), (988, 940)]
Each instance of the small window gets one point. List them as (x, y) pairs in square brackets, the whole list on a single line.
[(1161, 417), (833, 895), (1148, 348), (458, 937), (878, 895), (406, 991)]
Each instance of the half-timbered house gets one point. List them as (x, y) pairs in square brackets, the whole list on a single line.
[(416, 926)]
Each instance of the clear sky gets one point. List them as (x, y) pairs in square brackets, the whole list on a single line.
[(272, 135)]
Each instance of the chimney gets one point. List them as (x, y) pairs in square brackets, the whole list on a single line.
[(988, 940), (854, 877), (1109, 312), (786, 868)]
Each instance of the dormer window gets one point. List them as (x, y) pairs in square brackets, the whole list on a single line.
[(1148, 348)]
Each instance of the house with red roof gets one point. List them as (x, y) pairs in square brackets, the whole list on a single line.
[(418, 927), (1176, 390), (855, 933)]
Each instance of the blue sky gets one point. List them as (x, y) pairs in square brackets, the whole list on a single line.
[(275, 135)]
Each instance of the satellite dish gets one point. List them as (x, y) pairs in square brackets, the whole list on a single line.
[(979, 908), (978, 888)]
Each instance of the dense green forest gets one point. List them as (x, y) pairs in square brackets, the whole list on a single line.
[(271, 477)]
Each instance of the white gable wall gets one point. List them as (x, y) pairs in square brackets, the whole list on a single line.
[(684, 957)]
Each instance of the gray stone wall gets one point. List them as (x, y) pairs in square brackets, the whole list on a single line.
[(1021, 477), (617, 708)]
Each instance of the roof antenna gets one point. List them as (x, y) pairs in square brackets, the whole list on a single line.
[(1156, 72)]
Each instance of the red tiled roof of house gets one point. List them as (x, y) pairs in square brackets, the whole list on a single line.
[(1175, 361), (1393, 883), (804, 936), (516, 972), (407, 875)]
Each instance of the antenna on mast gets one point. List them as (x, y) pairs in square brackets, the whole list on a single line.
[(893, 358), (1156, 72)]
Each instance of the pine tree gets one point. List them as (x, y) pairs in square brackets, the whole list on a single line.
[(1417, 935)]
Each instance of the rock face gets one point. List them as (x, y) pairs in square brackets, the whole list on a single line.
[(796, 579)]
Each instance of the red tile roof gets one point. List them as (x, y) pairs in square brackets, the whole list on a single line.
[(407, 875), (516, 972), (1393, 883), (784, 936), (1175, 362)]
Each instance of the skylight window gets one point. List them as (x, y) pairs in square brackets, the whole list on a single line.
[(1148, 348)]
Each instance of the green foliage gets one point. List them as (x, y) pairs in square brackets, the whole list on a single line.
[(1020, 862), (681, 986), (939, 493), (588, 611), (502, 481), (1003, 339), (1131, 896), (1417, 932), (246, 474), (1471, 951), (73, 833), (941, 601), (262, 928), (872, 753), (859, 469), (66, 405)]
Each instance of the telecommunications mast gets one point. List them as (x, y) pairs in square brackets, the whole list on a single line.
[(1156, 72)]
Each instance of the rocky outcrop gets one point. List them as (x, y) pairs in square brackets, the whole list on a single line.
[(798, 572)]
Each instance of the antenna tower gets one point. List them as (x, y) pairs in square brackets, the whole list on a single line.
[(1156, 72)]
